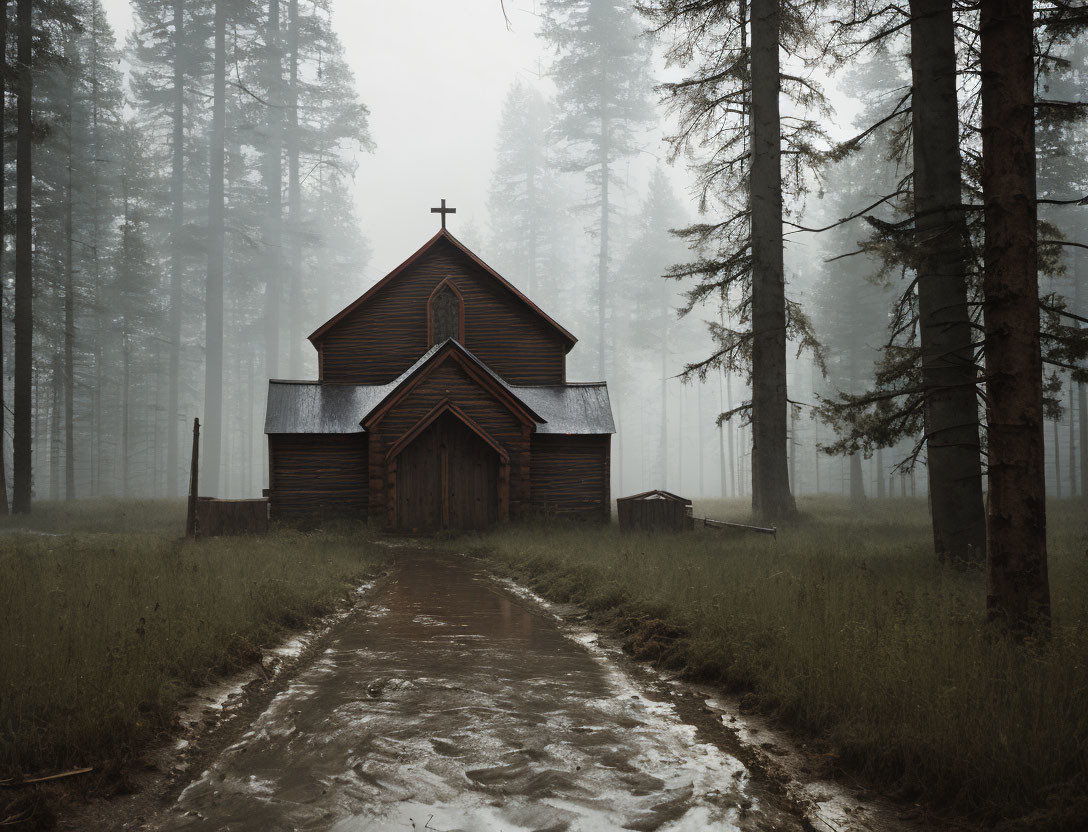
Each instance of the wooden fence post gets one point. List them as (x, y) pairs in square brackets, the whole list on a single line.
[(194, 482)]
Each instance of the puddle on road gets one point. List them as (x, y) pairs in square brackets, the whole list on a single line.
[(452, 705)]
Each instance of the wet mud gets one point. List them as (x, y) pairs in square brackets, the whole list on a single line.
[(451, 703)]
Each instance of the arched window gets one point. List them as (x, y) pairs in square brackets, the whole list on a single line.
[(445, 314)]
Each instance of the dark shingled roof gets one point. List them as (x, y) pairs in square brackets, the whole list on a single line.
[(570, 408), (315, 408), (312, 407)]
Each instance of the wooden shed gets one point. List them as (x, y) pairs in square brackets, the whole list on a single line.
[(655, 511), (442, 402)]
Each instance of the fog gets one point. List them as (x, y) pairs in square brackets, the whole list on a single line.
[(433, 78), (717, 459)]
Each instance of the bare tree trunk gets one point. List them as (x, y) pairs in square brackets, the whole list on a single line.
[(724, 474), (745, 433), (177, 231), (126, 357), (98, 249), (126, 402), (857, 477), (618, 455), (55, 406), (1057, 459), (680, 440), (69, 312), (531, 225), (771, 497), (665, 406), (857, 482), (948, 364), (880, 473), (700, 438), (1082, 389), (3, 244), (1082, 418), (273, 176), (602, 258), (213, 301), (793, 451), (294, 191), (157, 487), (247, 424), (24, 271), (1018, 589), (1072, 440), (729, 430)]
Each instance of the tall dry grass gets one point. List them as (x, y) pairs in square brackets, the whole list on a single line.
[(102, 632), (848, 630), (107, 514)]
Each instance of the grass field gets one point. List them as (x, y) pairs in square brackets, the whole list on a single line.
[(848, 630), (108, 619)]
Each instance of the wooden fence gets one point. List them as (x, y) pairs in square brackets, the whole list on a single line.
[(209, 517), (217, 518)]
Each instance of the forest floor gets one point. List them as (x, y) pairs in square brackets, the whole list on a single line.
[(843, 632), (109, 619), (449, 699), (846, 630)]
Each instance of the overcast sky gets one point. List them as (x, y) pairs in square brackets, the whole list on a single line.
[(434, 74)]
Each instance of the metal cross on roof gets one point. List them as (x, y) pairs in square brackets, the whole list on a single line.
[(443, 211)]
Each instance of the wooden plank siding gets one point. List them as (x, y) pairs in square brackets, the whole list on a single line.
[(654, 514), (383, 337), (570, 475), (448, 382), (318, 475)]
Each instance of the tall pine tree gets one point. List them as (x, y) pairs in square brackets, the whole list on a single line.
[(601, 70)]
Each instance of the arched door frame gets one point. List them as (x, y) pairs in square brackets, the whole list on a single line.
[(444, 406)]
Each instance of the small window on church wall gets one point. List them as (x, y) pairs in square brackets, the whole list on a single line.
[(445, 315)]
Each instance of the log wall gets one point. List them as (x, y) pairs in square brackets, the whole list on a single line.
[(570, 475), (314, 476)]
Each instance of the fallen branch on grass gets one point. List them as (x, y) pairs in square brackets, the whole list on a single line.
[(14, 784), (718, 524)]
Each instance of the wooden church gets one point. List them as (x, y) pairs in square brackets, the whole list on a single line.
[(442, 402)]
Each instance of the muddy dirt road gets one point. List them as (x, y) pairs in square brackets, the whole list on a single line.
[(450, 704)]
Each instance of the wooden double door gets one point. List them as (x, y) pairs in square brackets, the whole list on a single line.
[(447, 478)]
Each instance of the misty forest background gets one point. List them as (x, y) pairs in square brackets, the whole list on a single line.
[(127, 228)]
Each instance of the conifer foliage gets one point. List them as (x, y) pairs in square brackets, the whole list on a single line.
[(728, 111), (601, 70), (115, 177)]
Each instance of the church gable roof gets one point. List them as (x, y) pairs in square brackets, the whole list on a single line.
[(444, 236), (437, 355)]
